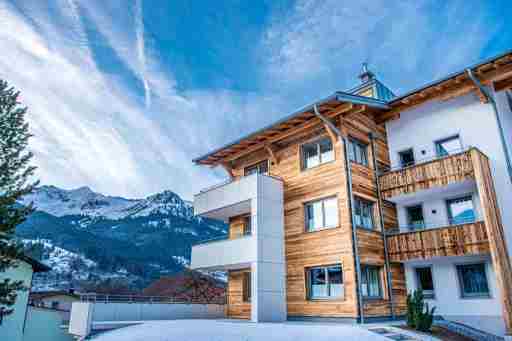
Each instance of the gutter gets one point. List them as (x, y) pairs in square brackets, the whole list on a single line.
[(351, 205), (491, 100)]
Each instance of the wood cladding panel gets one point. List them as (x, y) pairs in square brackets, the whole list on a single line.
[(236, 307), (435, 173), (459, 240), (236, 227), (496, 235)]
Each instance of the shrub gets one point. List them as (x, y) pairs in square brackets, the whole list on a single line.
[(419, 315)]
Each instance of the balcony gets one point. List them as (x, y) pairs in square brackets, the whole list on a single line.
[(457, 240), (449, 172), (224, 254)]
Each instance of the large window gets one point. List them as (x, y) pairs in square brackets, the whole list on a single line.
[(370, 281), (406, 158), (321, 214), (316, 153), (246, 287), (357, 152), (461, 210), (448, 146), (363, 213), (473, 280), (415, 217), (425, 281), (260, 168), (325, 282)]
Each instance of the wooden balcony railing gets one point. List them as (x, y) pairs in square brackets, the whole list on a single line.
[(458, 240), (437, 172)]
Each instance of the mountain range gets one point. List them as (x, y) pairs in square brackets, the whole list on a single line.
[(90, 239)]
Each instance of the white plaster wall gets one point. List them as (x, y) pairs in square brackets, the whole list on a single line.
[(476, 125), (448, 300), (12, 326)]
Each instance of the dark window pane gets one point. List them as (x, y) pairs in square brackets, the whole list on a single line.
[(335, 277), (370, 281), (425, 281), (358, 152), (473, 280), (319, 286), (247, 225), (461, 210), (406, 158), (415, 217), (310, 155), (326, 150), (261, 168), (247, 287), (363, 213), (325, 282)]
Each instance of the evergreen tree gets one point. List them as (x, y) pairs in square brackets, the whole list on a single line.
[(15, 182)]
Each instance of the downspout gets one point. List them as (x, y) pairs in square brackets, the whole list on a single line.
[(351, 205), (382, 228), (490, 98)]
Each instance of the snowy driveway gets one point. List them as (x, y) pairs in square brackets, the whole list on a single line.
[(222, 330)]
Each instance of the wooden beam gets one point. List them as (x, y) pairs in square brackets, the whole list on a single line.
[(228, 168), (331, 133), (503, 84), (272, 154)]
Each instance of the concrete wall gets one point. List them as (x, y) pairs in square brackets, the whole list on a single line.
[(476, 125), (12, 326), (46, 325), (484, 313), (223, 254)]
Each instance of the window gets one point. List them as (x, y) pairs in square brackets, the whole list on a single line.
[(321, 214), (246, 288), (259, 168), (325, 282), (473, 280), (461, 210), (363, 213), (406, 158), (448, 146), (316, 153), (415, 217), (247, 225), (55, 305), (357, 152), (370, 281), (425, 281)]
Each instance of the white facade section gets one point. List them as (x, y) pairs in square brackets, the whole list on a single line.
[(260, 196), (481, 313), (475, 124)]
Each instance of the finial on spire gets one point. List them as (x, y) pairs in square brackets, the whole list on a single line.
[(366, 74)]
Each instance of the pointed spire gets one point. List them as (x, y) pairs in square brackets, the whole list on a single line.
[(366, 75)]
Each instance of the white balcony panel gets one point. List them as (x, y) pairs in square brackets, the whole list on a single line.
[(228, 254)]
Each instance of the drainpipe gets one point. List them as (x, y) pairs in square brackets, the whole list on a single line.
[(351, 205), (382, 228), (491, 100)]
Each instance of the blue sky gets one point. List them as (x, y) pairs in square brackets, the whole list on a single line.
[(123, 94)]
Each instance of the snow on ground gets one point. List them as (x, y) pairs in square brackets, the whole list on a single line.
[(217, 330)]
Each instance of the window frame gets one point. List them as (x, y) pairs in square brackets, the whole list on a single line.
[(445, 139), (257, 166), (246, 287), (316, 142), (464, 295), (400, 153), (353, 152), (418, 281), (364, 274), (372, 215), (247, 228), (308, 229), (325, 268), (409, 223), (449, 212)]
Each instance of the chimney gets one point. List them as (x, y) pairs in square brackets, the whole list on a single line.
[(366, 75)]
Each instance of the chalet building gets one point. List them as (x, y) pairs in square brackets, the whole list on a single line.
[(341, 208)]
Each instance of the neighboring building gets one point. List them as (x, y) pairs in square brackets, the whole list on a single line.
[(58, 300), (341, 208), (12, 326)]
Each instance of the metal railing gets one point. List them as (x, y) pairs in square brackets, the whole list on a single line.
[(430, 225), (425, 160), (105, 298)]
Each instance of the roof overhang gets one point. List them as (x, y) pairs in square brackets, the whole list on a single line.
[(339, 103)]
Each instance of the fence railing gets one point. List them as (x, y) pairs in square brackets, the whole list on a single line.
[(103, 298), (428, 225)]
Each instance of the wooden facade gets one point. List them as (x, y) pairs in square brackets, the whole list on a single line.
[(458, 240), (237, 307)]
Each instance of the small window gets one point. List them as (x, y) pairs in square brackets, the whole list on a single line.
[(55, 305), (259, 168), (357, 152), (406, 158), (363, 213), (247, 287), (247, 225), (461, 210), (325, 282), (473, 280), (316, 153), (425, 281), (322, 214), (415, 217), (448, 146), (370, 281)]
